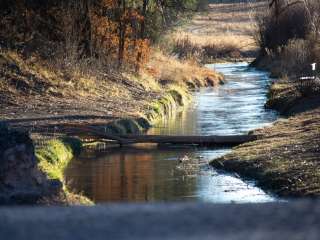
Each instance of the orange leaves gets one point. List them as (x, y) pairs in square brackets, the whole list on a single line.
[(132, 15), (142, 51), (119, 36), (136, 52), (109, 3), (104, 35)]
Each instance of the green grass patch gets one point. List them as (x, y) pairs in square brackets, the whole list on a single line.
[(173, 99), (55, 156)]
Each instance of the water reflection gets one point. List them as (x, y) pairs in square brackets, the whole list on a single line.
[(150, 174), (147, 173)]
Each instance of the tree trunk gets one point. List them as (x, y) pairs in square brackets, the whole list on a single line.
[(122, 31), (142, 31)]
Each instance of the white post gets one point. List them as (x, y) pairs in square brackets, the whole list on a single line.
[(314, 68)]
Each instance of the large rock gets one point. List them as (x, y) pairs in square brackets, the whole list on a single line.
[(21, 182)]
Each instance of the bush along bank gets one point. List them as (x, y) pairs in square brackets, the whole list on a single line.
[(288, 38)]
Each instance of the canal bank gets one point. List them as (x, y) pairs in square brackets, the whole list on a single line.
[(55, 154), (46, 157), (285, 159)]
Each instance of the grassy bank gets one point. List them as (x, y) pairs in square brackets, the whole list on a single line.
[(284, 159), (56, 154), (53, 158), (290, 96)]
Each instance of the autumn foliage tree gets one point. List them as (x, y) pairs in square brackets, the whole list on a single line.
[(123, 27), (117, 32)]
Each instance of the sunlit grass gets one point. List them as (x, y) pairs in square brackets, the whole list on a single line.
[(182, 73)]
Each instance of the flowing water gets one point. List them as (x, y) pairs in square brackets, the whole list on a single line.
[(150, 173)]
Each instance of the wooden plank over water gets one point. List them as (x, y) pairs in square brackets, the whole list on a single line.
[(231, 140)]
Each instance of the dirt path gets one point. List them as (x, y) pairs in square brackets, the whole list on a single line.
[(38, 110), (30, 98), (47, 114)]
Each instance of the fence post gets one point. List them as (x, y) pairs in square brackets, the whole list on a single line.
[(314, 68)]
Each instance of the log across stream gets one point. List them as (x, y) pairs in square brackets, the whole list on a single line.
[(196, 140), (231, 140), (181, 172)]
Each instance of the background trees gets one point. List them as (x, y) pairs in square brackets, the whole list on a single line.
[(118, 32)]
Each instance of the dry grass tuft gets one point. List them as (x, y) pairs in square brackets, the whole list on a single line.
[(169, 70), (193, 47)]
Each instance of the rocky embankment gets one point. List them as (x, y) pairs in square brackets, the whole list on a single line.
[(21, 182)]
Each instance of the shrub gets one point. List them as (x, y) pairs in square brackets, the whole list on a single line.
[(295, 57), (289, 36), (184, 48), (275, 31)]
